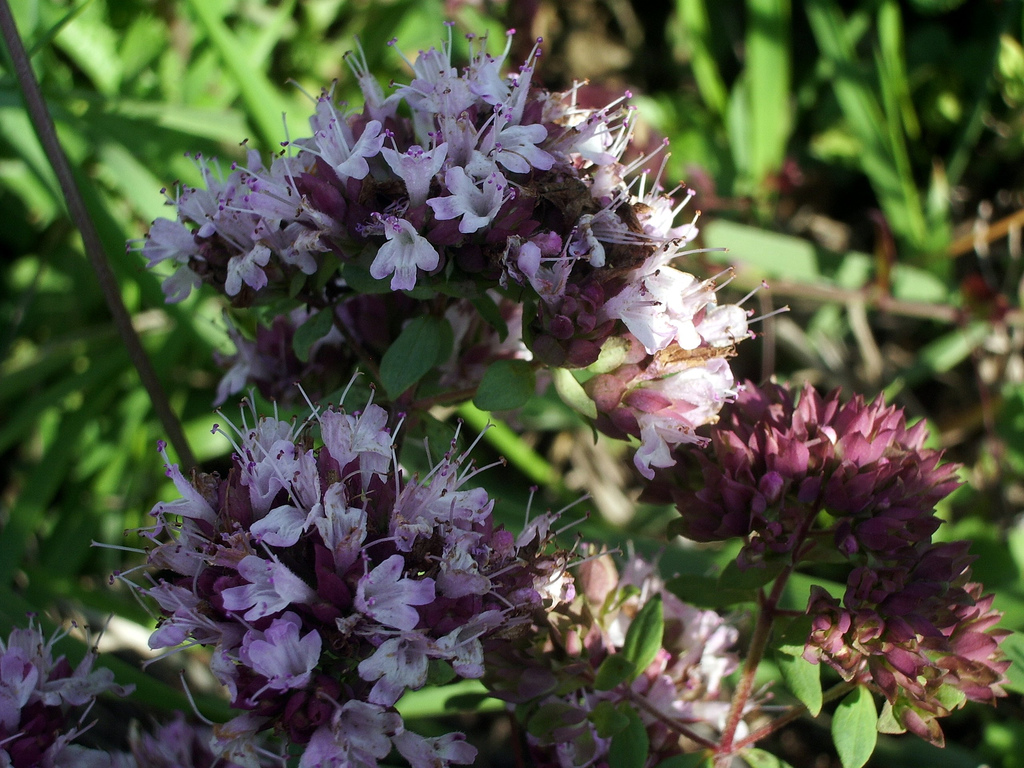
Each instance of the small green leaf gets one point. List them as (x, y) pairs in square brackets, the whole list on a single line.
[(803, 680), (607, 719), (854, 728), (614, 669), (315, 328), (887, 722), (692, 760), (644, 637), (548, 717), (412, 354), (802, 677), (629, 746), (572, 393), (490, 312), (506, 384), (734, 577), (703, 591), (360, 280), (439, 672), (1013, 647), (758, 758)]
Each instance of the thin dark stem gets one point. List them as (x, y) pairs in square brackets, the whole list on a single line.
[(679, 727), (43, 122)]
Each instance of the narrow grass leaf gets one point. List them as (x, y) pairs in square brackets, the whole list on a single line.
[(693, 29), (768, 73), (263, 103)]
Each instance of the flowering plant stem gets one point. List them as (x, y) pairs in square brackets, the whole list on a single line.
[(767, 607), (837, 691), (46, 131)]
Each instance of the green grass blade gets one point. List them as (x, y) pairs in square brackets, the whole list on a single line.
[(769, 76), (694, 29), (262, 101)]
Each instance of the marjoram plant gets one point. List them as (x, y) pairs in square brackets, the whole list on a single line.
[(466, 236)]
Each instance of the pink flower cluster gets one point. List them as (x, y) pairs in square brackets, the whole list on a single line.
[(911, 623), (326, 584), (554, 672), (492, 191), (44, 702)]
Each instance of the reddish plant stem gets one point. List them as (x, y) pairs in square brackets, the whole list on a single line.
[(758, 645), (767, 611), (681, 728), (794, 712), (35, 104)]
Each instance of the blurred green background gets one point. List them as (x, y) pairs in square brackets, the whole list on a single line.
[(863, 157)]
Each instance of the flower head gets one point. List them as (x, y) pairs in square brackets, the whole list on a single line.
[(325, 580)]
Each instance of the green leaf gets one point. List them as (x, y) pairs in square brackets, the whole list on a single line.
[(629, 747), (887, 722), (555, 714), (854, 728), (607, 719), (692, 760), (758, 758), (767, 73), (311, 331), (572, 393), (415, 351), (696, 33), (803, 680), (614, 669), (263, 102), (1013, 647), (490, 312), (644, 637), (506, 384), (704, 592), (734, 577), (439, 672)]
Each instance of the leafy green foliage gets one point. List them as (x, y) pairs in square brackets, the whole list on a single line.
[(911, 109), (506, 385), (854, 729), (629, 746), (423, 343)]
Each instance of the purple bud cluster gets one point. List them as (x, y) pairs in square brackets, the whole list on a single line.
[(798, 478), (44, 702), (919, 630), (555, 672), (489, 184), (327, 584)]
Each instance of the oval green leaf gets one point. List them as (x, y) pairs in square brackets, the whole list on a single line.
[(854, 728), (614, 669), (629, 746), (803, 680), (506, 384), (644, 637), (572, 393), (315, 328), (412, 354)]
